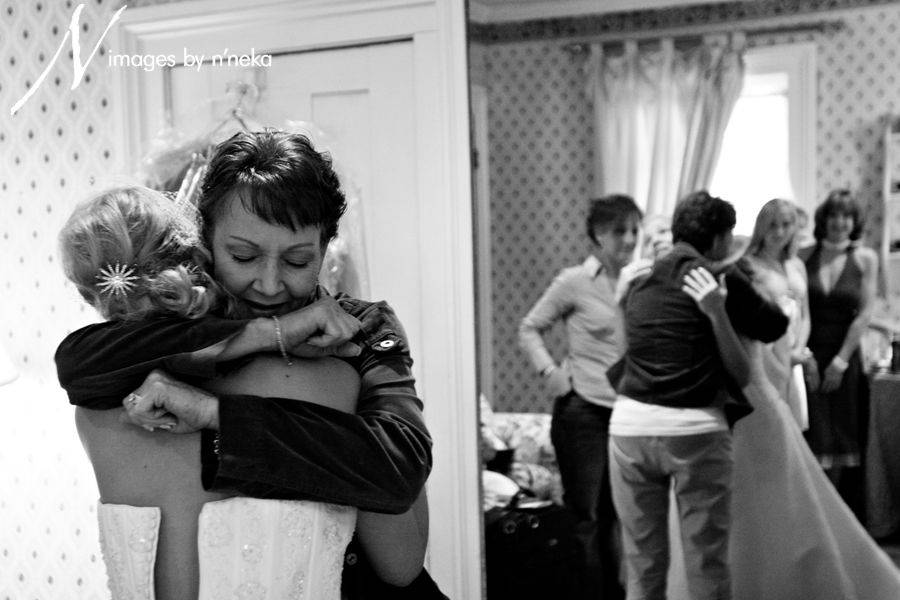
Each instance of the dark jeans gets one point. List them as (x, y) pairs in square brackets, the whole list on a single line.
[(580, 435)]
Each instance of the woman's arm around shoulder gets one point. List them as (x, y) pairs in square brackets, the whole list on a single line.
[(377, 459)]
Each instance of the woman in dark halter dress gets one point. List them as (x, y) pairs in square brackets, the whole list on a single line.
[(841, 291)]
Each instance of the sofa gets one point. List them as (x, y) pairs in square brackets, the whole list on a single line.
[(517, 446)]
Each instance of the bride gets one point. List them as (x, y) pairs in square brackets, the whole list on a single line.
[(792, 537)]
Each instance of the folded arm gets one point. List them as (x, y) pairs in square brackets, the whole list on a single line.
[(377, 459), (752, 315)]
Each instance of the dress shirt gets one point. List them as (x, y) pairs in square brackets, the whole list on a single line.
[(583, 297)]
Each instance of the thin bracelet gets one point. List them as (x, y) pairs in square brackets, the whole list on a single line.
[(280, 341)]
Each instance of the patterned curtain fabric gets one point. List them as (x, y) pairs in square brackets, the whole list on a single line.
[(660, 115)]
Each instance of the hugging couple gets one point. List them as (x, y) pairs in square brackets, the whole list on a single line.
[(251, 435)]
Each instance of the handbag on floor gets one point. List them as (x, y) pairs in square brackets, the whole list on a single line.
[(531, 551)]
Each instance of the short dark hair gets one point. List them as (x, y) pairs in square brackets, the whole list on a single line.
[(839, 201), (699, 218), (607, 211), (279, 177)]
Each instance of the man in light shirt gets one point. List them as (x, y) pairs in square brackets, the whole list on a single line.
[(583, 297)]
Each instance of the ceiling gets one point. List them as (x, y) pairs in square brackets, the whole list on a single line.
[(497, 11)]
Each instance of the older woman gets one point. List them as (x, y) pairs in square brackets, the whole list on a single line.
[(267, 244), (842, 275)]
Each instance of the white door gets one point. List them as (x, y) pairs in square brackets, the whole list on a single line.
[(362, 98), (391, 96)]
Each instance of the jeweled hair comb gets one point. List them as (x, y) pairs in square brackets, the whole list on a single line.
[(116, 280)]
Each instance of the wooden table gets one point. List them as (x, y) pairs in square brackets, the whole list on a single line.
[(883, 456)]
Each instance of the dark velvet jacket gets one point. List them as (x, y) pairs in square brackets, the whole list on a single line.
[(376, 459), (672, 358)]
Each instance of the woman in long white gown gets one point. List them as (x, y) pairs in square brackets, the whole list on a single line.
[(792, 536)]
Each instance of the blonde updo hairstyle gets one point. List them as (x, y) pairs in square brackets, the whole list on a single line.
[(141, 230)]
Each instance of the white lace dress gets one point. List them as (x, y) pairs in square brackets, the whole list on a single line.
[(249, 549)]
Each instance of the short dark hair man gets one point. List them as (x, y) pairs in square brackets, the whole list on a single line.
[(683, 368)]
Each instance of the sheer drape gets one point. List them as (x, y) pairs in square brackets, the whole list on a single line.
[(660, 115)]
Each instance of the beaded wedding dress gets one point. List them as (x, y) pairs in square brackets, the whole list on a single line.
[(249, 549)]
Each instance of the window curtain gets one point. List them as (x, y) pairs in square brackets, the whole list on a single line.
[(660, 115)]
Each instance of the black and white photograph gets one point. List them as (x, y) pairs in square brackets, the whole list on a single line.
[(450, 299)]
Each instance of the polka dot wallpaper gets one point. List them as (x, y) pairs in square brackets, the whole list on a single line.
[(53, 151), (539, 133), (540, 149)]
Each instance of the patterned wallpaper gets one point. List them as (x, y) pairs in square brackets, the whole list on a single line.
[(540, 129), (52, 153), (540, 149)]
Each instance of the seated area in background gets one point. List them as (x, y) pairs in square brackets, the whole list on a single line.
[(530, 548), (518, 457)]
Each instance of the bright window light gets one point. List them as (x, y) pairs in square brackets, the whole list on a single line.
[(754, 165)]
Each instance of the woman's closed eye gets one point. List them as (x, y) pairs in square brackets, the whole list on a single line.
[(296, 264)]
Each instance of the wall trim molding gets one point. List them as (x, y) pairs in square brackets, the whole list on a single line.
[(650, 20)]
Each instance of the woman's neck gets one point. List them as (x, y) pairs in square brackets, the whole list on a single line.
[(770, 254), (835, 246), (771, 257), (611, 268)]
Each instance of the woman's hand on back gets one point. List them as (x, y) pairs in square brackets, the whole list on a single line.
[(168, 404), (708, 292)]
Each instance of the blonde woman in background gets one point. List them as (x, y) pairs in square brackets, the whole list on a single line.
[(772, 255)]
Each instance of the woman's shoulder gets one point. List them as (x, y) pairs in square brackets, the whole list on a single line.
[(381, 329)]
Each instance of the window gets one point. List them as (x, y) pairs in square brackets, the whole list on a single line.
[(769, 145)]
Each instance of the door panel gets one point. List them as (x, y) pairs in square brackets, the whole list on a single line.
[(363, 99)]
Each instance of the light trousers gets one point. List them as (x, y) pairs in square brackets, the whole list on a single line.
[(698, 468)]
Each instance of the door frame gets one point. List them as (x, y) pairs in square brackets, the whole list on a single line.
[(446, 358)]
